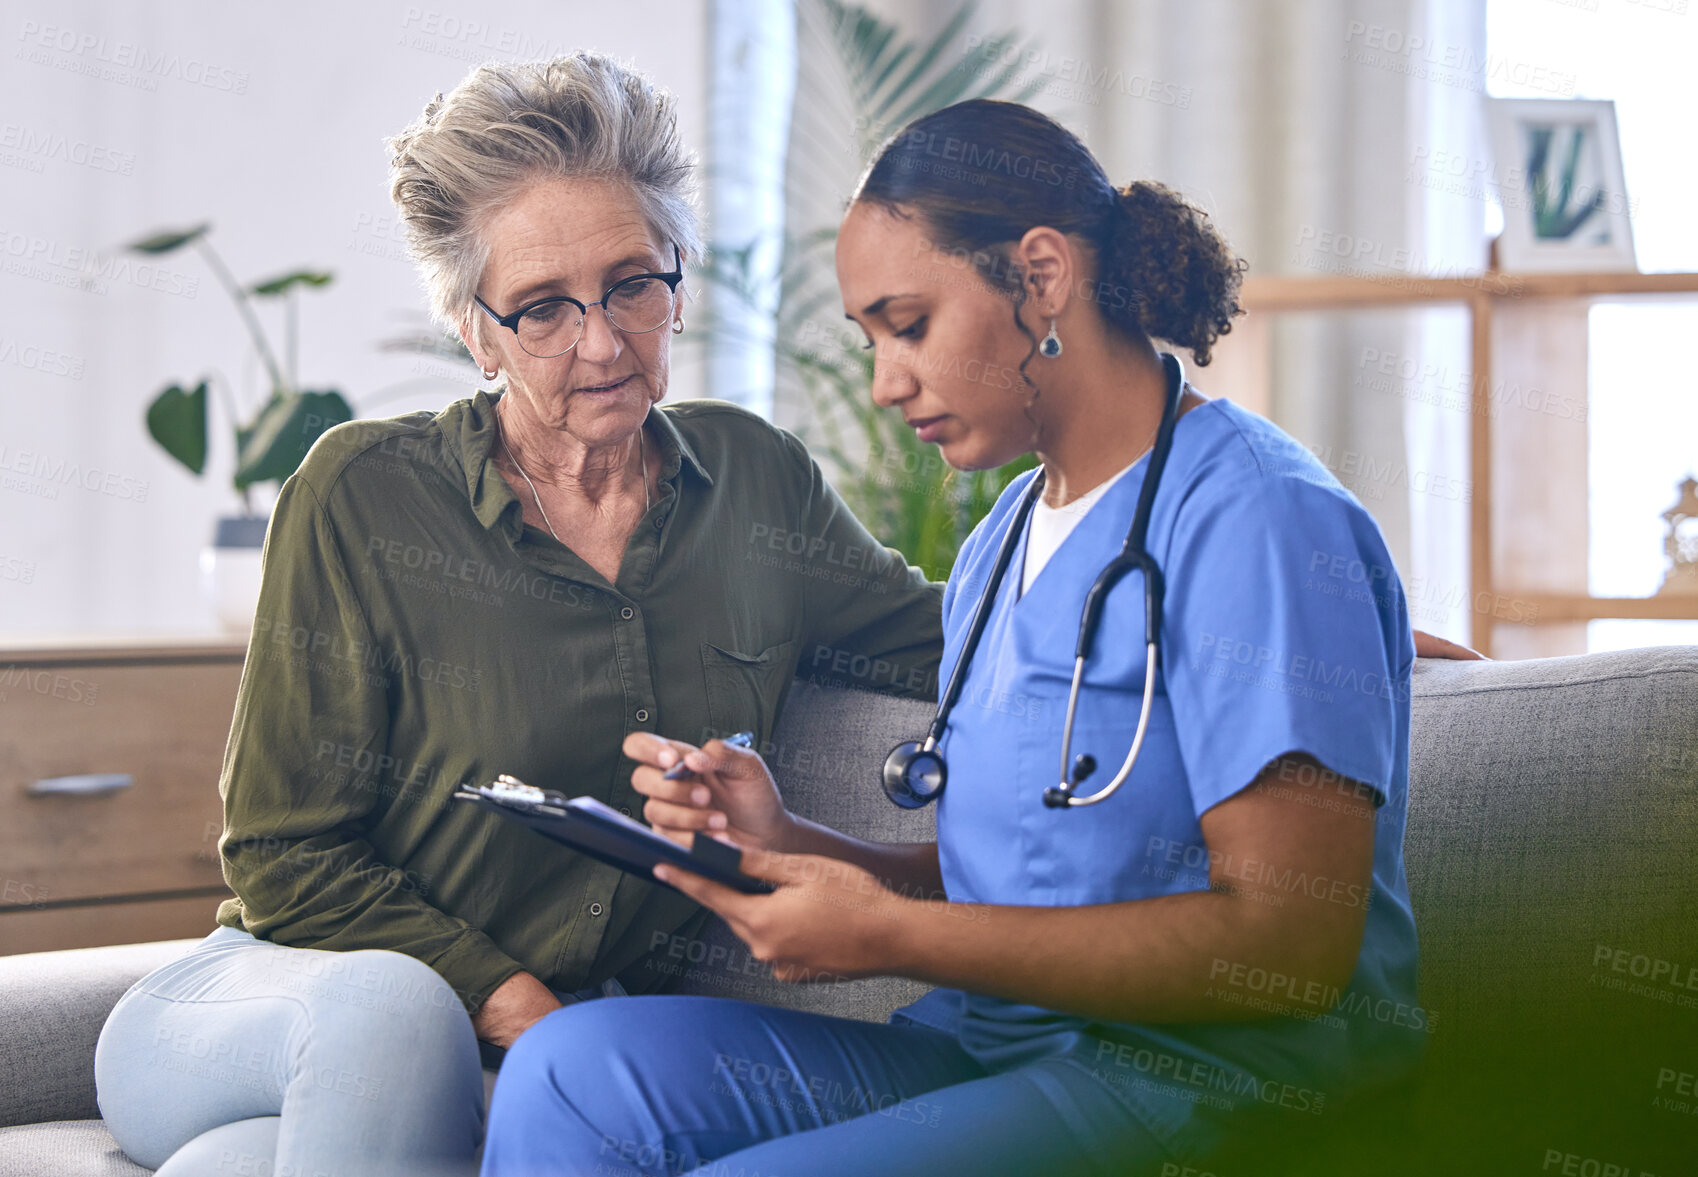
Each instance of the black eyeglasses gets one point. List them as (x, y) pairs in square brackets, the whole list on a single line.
[(553, 326)]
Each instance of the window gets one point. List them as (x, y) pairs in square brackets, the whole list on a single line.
[(1643, 418)]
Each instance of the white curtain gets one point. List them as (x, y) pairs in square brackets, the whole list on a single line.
[(751, 77)]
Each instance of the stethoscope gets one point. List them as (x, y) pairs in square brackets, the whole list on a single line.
[(915, 773)]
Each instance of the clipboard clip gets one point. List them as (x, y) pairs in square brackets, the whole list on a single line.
[(512, 792)]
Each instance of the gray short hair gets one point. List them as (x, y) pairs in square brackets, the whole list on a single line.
[(506, 125)]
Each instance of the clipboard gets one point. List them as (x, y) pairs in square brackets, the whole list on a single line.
[(589, 827)]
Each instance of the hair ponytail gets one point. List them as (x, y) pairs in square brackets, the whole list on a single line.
[(1183, 277)]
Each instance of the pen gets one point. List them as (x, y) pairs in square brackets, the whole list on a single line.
[(740, 740)]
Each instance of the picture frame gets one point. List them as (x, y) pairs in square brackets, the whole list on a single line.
[(1559, 177)]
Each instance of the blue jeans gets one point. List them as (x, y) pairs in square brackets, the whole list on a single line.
[(247, 1057), (665, 1085)]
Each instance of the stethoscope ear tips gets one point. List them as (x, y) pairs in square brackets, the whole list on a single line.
[(1056, 797)]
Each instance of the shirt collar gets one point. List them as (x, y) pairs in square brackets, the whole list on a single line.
[(675, 447), (493, 501)]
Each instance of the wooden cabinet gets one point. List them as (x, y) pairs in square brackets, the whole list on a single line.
[(109, 806)]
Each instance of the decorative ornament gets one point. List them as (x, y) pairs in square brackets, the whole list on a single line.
[(1051, 345), (1681, 543)]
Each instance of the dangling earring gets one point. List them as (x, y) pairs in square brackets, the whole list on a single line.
[(678, 325), (1051, 345)]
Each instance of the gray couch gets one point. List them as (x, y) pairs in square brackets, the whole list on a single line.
[(1552, 855)]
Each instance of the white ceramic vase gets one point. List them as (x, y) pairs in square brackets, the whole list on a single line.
[(229, 571)]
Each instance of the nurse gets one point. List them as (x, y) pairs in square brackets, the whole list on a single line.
[(1223, 946)]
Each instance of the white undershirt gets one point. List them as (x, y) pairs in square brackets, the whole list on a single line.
[(1050, 526)]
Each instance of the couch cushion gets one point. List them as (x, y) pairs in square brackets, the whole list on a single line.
[(66, 1148), (828, 750), (54, 1004), (826, 754), (1550, 855)]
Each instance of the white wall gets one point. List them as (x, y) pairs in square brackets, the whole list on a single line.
[(268, 121)]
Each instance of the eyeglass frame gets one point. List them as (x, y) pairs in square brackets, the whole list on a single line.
[(511, 322)]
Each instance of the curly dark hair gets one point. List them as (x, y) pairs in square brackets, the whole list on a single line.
[(981, 173)]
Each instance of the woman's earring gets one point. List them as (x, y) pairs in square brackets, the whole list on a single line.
[(678, 325), (1051, 345), (488, 375)]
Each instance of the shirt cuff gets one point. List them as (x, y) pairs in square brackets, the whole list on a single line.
[(475, 967)]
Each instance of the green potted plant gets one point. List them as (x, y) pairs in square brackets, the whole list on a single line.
[(269, 442)]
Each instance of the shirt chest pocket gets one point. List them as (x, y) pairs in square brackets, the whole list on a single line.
[(744, 689)]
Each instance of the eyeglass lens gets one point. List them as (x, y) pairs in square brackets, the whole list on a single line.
[(635, 306)]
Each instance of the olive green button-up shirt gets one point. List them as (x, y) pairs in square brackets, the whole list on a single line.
[(413, 634)]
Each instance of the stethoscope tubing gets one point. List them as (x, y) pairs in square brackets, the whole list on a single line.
[(1107, 791), (1133, 554)]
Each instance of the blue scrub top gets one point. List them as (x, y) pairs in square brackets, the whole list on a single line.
[(1284, 629)]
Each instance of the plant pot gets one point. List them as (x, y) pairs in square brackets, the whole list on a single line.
[(229, 570)]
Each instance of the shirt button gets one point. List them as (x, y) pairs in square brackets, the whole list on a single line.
[(595, 909), (627, 612), (659, 522), (642, 715), (625, 809)]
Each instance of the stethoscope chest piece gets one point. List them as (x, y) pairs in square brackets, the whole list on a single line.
[(913, 776)]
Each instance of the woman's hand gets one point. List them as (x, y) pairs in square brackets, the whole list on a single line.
[(517, 1004), (729, 792), (829, 920)]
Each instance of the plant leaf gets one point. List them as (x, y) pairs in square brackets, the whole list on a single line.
[(166, 240), (177, 421), (272, 448), (890, 67), (281, 283), (426, 342), (950, 31)]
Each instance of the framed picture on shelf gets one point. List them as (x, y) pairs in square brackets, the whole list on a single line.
[(1559, 177)]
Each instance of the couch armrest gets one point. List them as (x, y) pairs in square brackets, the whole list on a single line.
[(52, 1006)]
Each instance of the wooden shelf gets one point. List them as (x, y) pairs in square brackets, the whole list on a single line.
[(1486, 296), (1323, 292), (1553, 608)]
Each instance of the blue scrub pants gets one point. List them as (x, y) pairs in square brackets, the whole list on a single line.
[(641, 1086)]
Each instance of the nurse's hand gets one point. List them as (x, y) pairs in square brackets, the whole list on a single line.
[(729, 792), (829, 920)]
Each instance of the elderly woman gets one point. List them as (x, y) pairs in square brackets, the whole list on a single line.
[(514, 584)]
